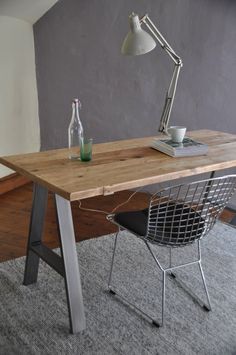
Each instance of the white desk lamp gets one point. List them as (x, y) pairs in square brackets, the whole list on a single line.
[(139, 42)]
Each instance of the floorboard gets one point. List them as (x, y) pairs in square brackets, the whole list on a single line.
[(15, 207)]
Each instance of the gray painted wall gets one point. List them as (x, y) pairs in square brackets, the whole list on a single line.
[(77, 47)]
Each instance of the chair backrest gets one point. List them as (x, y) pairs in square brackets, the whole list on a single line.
[(180, 214)]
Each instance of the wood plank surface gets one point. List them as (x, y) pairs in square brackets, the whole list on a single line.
[(121, 165), (11, 182)]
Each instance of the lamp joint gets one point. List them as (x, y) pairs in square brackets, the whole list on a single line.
[(179, 63), (143, 18)]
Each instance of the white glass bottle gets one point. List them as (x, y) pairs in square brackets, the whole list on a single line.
[(75, 131)]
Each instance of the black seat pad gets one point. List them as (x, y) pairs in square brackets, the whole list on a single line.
[(175, 221), (135, 221)]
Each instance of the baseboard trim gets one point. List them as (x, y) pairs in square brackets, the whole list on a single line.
[(12, 182)]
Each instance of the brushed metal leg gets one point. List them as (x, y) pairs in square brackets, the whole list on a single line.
[(115, 291), (70, 259), (163, 297), (170, 257), (40, 195), (206, 307), (112, 261)]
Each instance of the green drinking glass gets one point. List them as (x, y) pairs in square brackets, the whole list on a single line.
[(86, 149)]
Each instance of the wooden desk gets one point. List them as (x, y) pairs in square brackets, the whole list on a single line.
[(115, 166)]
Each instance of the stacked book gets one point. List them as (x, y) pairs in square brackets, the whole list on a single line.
[(188, 147)]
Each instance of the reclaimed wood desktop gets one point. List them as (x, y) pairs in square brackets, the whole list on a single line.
[(115, 166)]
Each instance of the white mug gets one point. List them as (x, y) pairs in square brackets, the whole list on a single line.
[(177, 133)]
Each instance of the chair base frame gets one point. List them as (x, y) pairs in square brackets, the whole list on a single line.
[(169, 271)]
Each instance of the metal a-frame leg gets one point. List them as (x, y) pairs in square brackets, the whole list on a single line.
[(40, 195), (67, 264), (71, 265)]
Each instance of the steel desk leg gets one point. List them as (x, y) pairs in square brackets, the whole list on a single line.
[(66, 265), (40, 195), (71, 265)]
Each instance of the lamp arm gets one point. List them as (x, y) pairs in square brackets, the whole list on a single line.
[(169, 100), (160, 38), (170, 95)]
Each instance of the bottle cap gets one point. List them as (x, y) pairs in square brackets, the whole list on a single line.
[(77, 101)]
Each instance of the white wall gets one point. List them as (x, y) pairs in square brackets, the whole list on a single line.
[(19, 121), (28, 10)]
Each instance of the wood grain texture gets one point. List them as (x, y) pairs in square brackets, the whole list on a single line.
[(11, 182), (121, 165)]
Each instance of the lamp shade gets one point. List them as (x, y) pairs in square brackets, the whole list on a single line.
[(137, 40)]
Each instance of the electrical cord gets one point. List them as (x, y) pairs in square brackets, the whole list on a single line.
[(121, 204), (114, 209)]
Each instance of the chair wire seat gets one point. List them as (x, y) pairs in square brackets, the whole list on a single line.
[(177, 216)]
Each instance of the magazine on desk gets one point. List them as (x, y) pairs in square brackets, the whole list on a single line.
[(188, 147)]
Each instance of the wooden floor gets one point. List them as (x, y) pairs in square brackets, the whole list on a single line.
[(15, 209)]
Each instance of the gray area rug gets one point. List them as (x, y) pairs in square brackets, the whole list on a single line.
[(34, 319)]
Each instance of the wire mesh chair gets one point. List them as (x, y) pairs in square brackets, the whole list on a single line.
[(176, 217)]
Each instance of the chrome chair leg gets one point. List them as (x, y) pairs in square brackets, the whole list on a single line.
[(170, 257), (114, 291), (154, 321), (163, 297), (188, 290), (112, 261), (207, 308)]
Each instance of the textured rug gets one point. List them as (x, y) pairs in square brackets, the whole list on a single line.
[(34, 319)]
